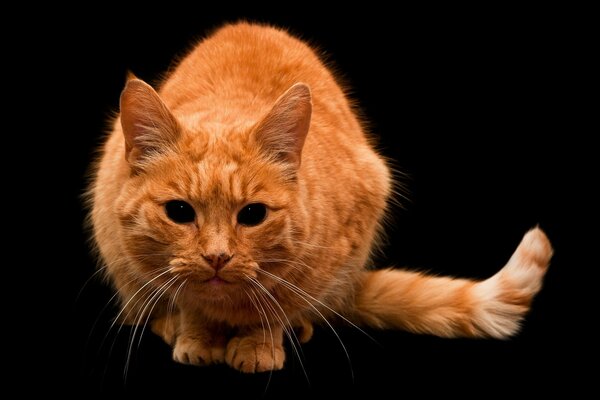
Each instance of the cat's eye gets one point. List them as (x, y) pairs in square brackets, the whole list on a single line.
[(179, 211), (252, 214)]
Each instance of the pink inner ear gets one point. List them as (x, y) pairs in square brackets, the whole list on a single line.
[(146, 121), (283, 131)]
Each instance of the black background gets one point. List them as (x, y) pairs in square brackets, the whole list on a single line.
[(480, 111)]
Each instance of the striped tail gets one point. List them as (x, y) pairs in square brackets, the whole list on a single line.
[(448, 307)]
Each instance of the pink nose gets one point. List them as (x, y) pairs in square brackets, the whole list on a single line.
[(217, 261)]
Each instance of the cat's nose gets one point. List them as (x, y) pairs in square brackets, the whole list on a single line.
[(217, 260)]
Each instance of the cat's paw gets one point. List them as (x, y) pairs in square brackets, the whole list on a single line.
[(249, 354), (195, 351)]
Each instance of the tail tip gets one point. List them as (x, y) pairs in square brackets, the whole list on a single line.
[(536, 247)]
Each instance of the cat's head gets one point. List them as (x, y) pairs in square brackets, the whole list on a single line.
[(207, 203)]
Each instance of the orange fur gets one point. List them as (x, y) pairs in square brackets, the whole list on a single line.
[(457, 307), (252, 116)]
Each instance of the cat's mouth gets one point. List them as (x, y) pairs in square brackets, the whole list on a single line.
[(214, 286), (229, 276), (216, 281)]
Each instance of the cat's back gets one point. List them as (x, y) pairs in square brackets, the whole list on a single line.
[(246, 67), (242, 58)]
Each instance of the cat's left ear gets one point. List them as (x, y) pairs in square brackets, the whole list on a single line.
[(282, 132), (148, 125)]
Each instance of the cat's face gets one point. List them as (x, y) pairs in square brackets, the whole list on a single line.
[(209, 211)]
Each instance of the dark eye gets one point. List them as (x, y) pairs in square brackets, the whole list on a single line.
[(180, 211), (252, 214)]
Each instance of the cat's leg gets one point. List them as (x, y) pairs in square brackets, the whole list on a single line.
[(256, 349), (303, 329), (166, 326), (451, 307), (199, 342)]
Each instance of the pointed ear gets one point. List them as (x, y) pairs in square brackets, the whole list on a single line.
[(283, 131), (148, 125)]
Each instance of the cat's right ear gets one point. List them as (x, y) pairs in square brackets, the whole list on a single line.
[(282, 131), (148, 125)]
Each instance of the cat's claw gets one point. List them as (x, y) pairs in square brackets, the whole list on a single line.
[(246, 354), (189, 350)]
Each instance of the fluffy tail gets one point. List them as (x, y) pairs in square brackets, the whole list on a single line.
[(450, 307)]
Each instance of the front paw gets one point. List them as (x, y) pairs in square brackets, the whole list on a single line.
[(249, 354), (195, 351)]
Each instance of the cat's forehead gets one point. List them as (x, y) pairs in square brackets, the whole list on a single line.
[(210, 180), (215, 161), (215, 141), (212, 171), (220, 179), (215, 172)]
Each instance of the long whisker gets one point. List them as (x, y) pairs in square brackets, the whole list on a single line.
[(260, 313), (298, 290), (173, 299), (303, 295), (135, 294), (87, 282), (164, 290), (112, 298), (287, 327), (150, 302), (259, 295), (97, 320), (124, 307), (138, 299), (264, 330), (136, 320)]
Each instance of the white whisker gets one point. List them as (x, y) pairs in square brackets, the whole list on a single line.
[(135, 294), (87, 281), (262, 314), (163, 290), (264, 331), (173, 299), (295, 288), (151, 302), (124, 307), (287, 327), (303, 294)]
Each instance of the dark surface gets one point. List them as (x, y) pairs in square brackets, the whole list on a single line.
[(479, 113)]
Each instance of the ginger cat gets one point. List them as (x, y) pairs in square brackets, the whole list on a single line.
[(242, 201)]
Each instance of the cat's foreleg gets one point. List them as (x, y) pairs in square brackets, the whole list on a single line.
[(166, 326), (198, 342)]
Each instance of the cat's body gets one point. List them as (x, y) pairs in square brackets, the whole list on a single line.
[(283, 197)]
